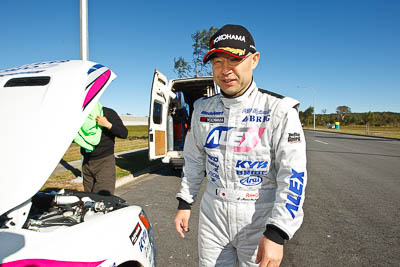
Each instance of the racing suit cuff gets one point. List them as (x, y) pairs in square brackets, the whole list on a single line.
[(183, 205), (275, 234)]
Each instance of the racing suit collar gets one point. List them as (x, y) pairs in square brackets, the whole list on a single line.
[(249, 95)]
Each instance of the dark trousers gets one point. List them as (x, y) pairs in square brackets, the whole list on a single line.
[(99, 175)]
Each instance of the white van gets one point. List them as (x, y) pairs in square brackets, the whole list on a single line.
[(171, 108)]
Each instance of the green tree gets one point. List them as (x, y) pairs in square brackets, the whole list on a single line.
[(181, 67), (307, 115), (200, 46), (342, 111), (369, 118), (323, 118)]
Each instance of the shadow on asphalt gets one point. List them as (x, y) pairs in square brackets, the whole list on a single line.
[(76, 172), (167, 170), (137, 163)]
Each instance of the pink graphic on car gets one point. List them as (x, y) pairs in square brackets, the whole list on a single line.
[(96, 87), (49, 263)]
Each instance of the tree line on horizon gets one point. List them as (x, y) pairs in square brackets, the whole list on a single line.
[(344, 116), (196, 68)]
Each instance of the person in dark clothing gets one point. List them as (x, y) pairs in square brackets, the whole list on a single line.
[(98, 168)]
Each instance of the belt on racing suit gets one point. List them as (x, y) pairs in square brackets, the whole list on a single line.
[(241, 195)]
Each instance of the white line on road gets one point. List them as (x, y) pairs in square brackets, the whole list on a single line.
[(321, 142)]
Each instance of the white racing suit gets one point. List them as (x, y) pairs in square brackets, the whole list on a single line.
[(252, 149)]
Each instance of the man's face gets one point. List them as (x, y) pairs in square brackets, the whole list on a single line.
[(233, 75)]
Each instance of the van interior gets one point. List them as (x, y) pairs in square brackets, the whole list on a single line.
[(181, 108)]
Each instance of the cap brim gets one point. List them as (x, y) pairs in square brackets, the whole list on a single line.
[(207, 57)]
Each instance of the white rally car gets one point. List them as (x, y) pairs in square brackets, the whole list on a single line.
[(43, 106)]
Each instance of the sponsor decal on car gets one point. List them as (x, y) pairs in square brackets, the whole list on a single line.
[(143, 241), (31, 68), (146, 247), (212, 119), (294, 138), (296, 189), (94, 68), (25, 72), (134, 236), (251, 180), (241, 140)]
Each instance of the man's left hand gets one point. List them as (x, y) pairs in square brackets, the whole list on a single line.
[(270, 254)]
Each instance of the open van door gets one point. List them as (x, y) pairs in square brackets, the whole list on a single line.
[(160, 94)]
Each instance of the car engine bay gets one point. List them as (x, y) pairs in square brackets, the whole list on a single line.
[(54, 208)]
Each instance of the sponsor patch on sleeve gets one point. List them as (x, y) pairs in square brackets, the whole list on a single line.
[(294, 138)]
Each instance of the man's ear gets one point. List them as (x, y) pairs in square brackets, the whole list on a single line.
[(254, 60)]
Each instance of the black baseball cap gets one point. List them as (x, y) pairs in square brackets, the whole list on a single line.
[(234, 40)]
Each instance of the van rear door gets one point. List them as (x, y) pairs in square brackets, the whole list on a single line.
[(160, 94)]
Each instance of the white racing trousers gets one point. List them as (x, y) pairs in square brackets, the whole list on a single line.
[(231, 225)]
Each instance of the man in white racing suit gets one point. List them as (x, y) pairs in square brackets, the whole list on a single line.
[(251, 145)]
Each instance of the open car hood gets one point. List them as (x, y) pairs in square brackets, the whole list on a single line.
[(43, 105)]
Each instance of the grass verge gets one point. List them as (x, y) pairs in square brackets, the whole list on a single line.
[(125, 165), (137, 138)]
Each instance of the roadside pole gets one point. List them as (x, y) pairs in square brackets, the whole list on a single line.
[(84, 30)]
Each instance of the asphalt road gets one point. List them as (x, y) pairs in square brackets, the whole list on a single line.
[(352, 207)]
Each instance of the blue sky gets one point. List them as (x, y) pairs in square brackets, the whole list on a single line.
[(347, 51)]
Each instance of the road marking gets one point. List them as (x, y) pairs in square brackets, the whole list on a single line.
[(321, 142)]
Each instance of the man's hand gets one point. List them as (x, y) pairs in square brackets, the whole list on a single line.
[(102, 121), (182, 222), (270, 254)]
